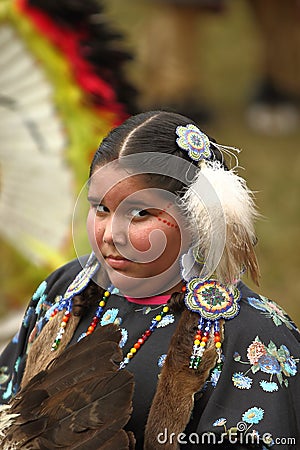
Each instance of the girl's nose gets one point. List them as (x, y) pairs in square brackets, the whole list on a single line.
[(115, 232)]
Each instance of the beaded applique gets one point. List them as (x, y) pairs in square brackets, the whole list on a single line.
[(82, 279), (78, 285), (194, 141), (212, 301), (276, 362)]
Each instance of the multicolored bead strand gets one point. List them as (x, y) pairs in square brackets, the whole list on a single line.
[(135, 348), (218, 344), (61, 331), (65, 319), (96, 319), (200, 341)]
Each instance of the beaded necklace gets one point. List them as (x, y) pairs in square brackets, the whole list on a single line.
[(96, 318), (210, 299)]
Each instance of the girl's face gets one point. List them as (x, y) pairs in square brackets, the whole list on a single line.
[(135, 231)]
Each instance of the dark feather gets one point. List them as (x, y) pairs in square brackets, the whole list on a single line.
[(81, 401)]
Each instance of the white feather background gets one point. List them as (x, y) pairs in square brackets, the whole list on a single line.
[(36, 199)]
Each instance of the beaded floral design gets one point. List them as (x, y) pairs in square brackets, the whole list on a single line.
[(241, 381), (161, 360), (214, 377), (124, 337), (268, 359), (211, 299), (243, 428), (43, 305), (28, 316), (167, 320), (109, 316), (82, 279), (194, 141), (271, 310), (4, 376), (253, 415)]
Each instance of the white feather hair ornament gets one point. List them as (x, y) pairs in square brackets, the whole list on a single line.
[(221, 211)]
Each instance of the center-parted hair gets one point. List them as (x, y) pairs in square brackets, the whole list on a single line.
[(149, 132)]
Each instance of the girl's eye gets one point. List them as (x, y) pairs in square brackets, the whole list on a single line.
[(139, 213), (101, 208)]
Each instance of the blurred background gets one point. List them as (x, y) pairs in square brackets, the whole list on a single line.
[(72, 70)]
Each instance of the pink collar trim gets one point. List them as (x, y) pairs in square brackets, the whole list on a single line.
[(156, 300)]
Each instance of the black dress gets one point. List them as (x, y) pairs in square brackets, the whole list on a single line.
[(254, 400)]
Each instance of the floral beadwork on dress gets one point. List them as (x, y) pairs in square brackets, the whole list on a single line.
[(271, 310), (42, 304), (40, 291), (124, 337), (28, 316), (214, 377), (268, 359), (4, 376), (167, 320), (243, 432), (161, 360), (241, 381), (109, 316)]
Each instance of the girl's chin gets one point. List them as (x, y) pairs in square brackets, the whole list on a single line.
[(142, 287)]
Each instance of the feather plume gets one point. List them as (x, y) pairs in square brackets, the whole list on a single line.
[(221, 210), (81, 400)]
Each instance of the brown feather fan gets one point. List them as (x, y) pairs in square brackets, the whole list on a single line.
[(81, 401)]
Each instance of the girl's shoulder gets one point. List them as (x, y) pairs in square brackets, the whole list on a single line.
[(259, 311), (58, 281), (262, 327)]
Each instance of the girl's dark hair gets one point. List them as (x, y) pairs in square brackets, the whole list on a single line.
[(152, 131)]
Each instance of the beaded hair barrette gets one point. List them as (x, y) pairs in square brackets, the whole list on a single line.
[(197, 144)]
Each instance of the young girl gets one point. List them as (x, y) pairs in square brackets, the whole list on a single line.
[(171, 229)]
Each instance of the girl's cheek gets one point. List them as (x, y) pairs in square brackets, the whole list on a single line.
[(139, 237), (93, 229)]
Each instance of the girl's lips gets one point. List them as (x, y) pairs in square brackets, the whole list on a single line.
[(117, 262)]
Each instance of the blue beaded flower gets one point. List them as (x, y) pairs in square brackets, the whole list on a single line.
[(241, 381), (109, 317), (161, 360), (194, 142), (124, 337), (169, 318), (269, 364), (268, 386), (253, 415), (215, 375), (40, 291), (219, 422)]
